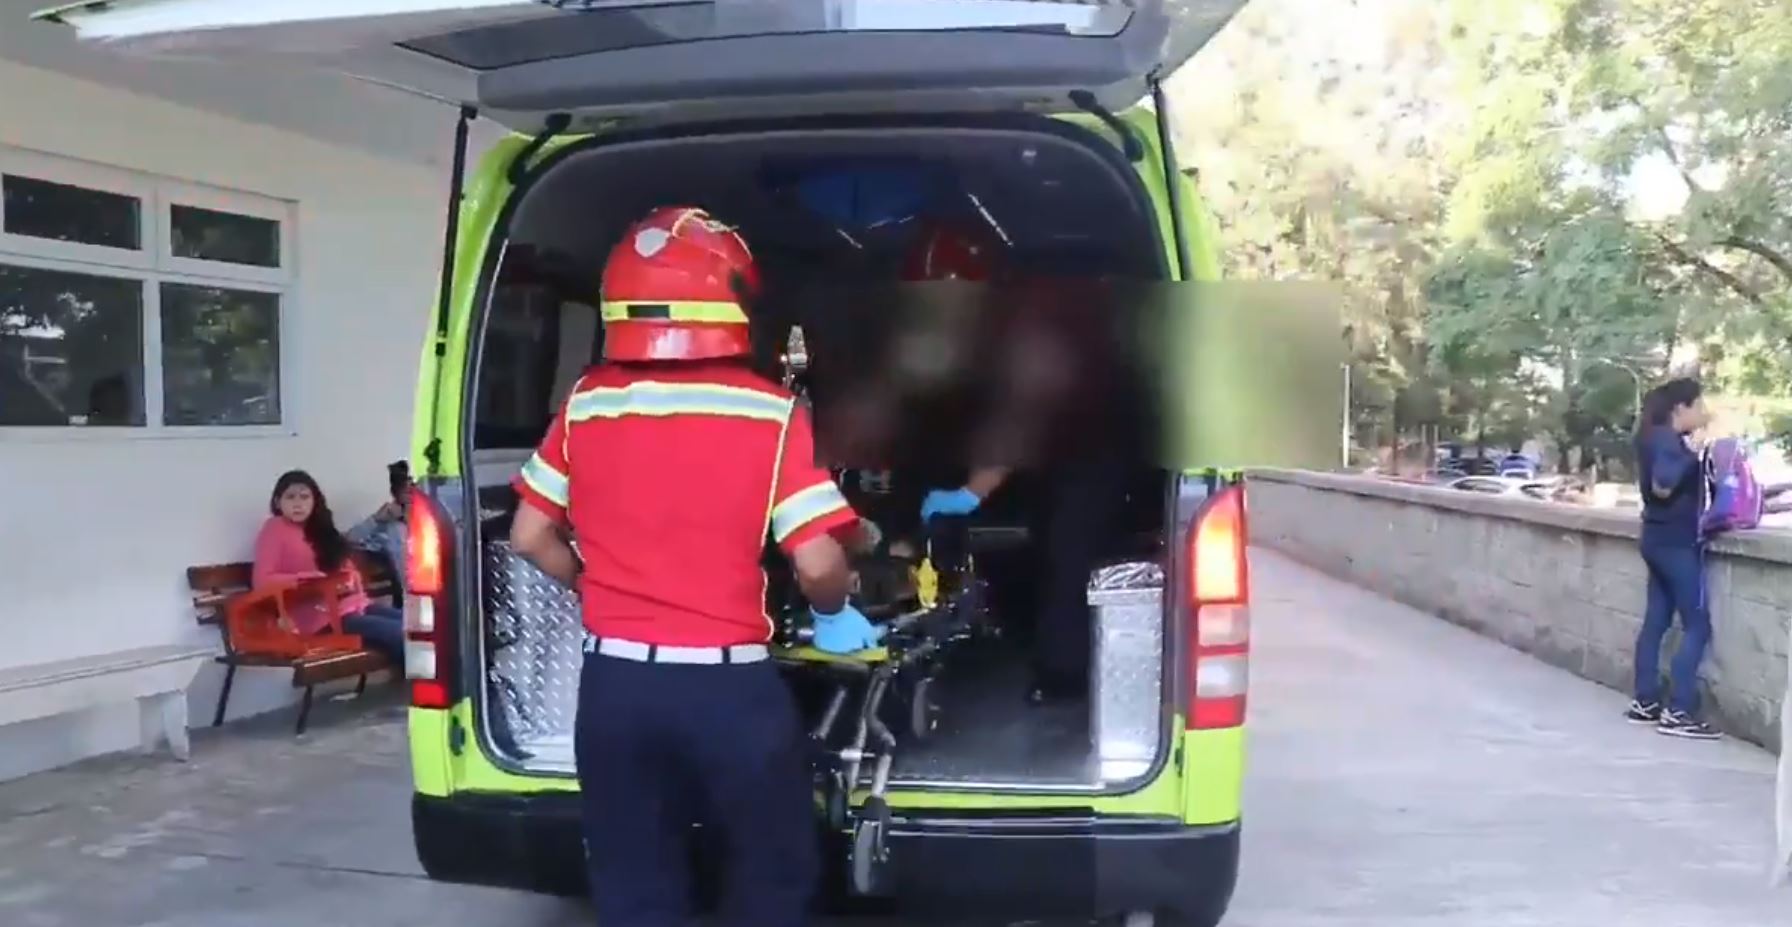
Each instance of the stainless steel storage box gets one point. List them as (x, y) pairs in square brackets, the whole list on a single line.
[(1126, 697), (537, 650)]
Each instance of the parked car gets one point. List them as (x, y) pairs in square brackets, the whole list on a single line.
[(1518, 466), (1503, 486)]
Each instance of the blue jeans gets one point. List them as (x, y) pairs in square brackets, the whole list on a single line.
[(381, 628), (1676, 584)]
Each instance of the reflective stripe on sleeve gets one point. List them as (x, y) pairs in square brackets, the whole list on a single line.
[(543, 478), (804, 507), (665, 399)]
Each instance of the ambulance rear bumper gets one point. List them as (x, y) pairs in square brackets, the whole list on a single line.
[(959, 864)]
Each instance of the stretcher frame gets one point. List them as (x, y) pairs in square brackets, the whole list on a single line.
[(906, 664)]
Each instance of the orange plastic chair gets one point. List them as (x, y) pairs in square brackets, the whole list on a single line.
[(259, 622)]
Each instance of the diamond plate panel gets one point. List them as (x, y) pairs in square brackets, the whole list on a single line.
[(535, 652), (1128, 671)]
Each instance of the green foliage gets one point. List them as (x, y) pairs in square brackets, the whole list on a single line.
[(1534, 208), (1318, 151)]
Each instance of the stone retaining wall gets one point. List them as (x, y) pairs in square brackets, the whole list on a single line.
[(1561, 582)]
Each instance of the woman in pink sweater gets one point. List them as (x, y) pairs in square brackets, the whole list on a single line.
[(298, 542)]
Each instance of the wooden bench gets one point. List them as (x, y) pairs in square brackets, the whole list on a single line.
[(255, 633), (155, 677)]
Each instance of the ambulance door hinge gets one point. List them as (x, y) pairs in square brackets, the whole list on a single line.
[(457, 735), (1129, 139), (555, 124)]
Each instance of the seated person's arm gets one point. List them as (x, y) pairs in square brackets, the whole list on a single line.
[(364, 533)]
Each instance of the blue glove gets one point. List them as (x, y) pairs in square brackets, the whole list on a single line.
[(949, 502), (845, 631)]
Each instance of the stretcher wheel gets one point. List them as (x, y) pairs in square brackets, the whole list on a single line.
[(836, 799), (923, 718), (869, 852)]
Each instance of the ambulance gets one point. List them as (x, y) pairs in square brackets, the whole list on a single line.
[(1049, 119)]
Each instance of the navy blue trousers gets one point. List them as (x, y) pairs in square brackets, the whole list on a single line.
[(1676, 585), (1083, 512), (663, 746)]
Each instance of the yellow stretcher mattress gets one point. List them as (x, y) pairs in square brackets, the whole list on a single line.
[(807, 654)]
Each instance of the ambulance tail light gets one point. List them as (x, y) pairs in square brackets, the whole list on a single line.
[(428, 643), (1219, 613)]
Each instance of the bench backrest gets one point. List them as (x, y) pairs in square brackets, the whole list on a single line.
[(215, 584)]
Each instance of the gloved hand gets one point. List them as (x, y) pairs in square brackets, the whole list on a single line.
[(949, 502), (844, 631)]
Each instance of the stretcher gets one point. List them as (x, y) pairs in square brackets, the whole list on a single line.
[(879, 700)]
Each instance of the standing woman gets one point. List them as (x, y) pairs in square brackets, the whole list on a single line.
[(299, 542), (1672, 481)]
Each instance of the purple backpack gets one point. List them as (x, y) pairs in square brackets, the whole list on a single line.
[(1736, 502)]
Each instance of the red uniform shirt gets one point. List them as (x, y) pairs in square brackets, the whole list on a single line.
[(672, 478)]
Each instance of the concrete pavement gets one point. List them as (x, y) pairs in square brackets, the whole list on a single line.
[(1403, 771)]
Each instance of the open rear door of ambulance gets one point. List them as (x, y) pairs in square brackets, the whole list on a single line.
[(522, 62)]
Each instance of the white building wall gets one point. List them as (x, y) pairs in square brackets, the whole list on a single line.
[(96, 531)]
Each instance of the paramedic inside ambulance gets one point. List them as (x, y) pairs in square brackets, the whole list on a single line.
[(1043, 376)]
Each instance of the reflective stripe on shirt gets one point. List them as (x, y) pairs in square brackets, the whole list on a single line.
[(666, 399), (803, 507)]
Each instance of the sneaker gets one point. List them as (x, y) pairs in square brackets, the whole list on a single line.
[(1677, 724), (1643, 712)]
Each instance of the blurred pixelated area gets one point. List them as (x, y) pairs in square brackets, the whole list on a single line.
[(1185, 376)]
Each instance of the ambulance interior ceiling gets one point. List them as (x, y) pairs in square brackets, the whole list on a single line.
[(1065, 209)]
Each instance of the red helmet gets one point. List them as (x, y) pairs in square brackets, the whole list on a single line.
[(673, 289), (951, 252)]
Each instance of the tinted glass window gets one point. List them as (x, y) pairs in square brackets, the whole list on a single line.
[(517, 363), (64, 212), (71, 348), (612, 29), (211, 235), (220, 356)]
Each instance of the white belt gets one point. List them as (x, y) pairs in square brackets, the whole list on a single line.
[(665, 653)]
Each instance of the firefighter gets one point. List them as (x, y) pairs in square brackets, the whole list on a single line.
[(670, 465), (1041, 367)]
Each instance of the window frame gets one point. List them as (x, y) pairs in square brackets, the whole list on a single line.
[(152, 266)]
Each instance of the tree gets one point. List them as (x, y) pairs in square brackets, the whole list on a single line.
[(1559, 253), (1317, 149)]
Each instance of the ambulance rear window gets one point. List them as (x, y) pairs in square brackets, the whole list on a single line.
[(650, 24)]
